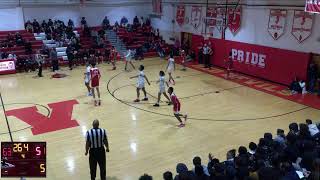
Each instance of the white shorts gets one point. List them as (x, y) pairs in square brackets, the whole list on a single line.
[(128, 59), (162, 90), (140, 85), (86, 81), (170, 69), (176, 112)]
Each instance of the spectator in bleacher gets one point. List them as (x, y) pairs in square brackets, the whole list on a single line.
[(106, 23), (12, 56), (148, 22), (28, 48), (44, 25), (28, 26), (70, 23), (83, 23), (313, 129), (4, 55), (50, 23), (36, 26), (312, 76), (123, 21), (136, 22), (18, 38), (281, 137), (54, 60)]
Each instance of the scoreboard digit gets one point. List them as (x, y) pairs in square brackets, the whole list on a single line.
[(23, 159)]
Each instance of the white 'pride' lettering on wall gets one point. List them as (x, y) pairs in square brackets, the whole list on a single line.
[(249, 57)]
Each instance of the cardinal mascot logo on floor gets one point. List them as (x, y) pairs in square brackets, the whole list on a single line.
[(60, 117)]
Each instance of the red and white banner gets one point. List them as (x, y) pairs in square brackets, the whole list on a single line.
[(180, 15), (313, 6), (220, 18), (157, 6), (234, 19), (302, 25), (196, 15), (273, 64), (277, 22), (211, 13), (7, 66)]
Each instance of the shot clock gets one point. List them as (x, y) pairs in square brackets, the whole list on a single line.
[(23, 159)]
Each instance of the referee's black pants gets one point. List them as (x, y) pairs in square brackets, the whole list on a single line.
[(207, 61), (97, 155)]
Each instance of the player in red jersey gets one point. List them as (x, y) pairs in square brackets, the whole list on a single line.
[(176, 108), (183, 59), (95, 78), (113, 57), (229, 65)]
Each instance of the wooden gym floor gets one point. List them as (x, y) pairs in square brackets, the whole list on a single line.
[(145, 139)]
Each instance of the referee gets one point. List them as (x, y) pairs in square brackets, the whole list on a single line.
[(96, 138)]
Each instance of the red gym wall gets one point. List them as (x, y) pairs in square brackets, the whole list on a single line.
[(273, 64)]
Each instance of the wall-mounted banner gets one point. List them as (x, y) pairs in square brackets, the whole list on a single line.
[(180, 16), (196, 15), (234, 19), (277, 22), (313, 6), (157, 6), (211, 13), (302, 25)]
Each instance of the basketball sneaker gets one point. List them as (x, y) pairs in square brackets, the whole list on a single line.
[(137, 100), (145, 99), (156, 105)]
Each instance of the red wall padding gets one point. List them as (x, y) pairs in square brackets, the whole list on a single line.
[(277, 65)]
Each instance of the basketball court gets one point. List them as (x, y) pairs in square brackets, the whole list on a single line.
[(143, 138)]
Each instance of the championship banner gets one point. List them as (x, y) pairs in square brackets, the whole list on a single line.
[(277, 22), (234, 19), (220, 15), (7, 67), (313, 6), (302, 25), (180, 16), (196, 15), (157, 6), (211, 13)]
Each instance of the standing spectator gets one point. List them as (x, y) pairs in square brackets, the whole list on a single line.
[(96, 139), (70, 23), (70, 55), (28, 26), (39, 59), (312, 76), (50, 23), (106, 23), (167, 176), (36, 26), (135, 21), (197, 162), (54, 60), (123, 21), (200, 55), (83, 23)]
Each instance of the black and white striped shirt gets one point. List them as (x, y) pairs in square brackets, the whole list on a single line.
[(96, 137)]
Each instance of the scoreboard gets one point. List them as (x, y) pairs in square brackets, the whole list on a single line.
[(23, 159)]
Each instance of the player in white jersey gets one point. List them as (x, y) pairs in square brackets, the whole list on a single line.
[(170, 68), (87, 78), (162, 89), (128, 59), (140, 84)]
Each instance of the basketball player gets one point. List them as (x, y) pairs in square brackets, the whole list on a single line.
[(229, 65), (129, 59), (170, 68), (113, 57), (95, 78), (176, 108), (162, 89), (87, 78), (140, 84), (183, 59)]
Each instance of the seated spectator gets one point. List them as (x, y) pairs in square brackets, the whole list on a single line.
[(148, 22), (44, 25), (28, 26), (123, 21), (303, 87), (313, 129), (281, 137), (12, 56), (197, 162), (167, 176), (18, 39), (50, 23), (145, 177), (295, 86), (135, 21)]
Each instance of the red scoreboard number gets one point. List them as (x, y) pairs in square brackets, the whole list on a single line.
[(23, 159)]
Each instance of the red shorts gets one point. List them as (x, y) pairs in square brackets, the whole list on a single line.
[(95, 83), (176, 108)]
